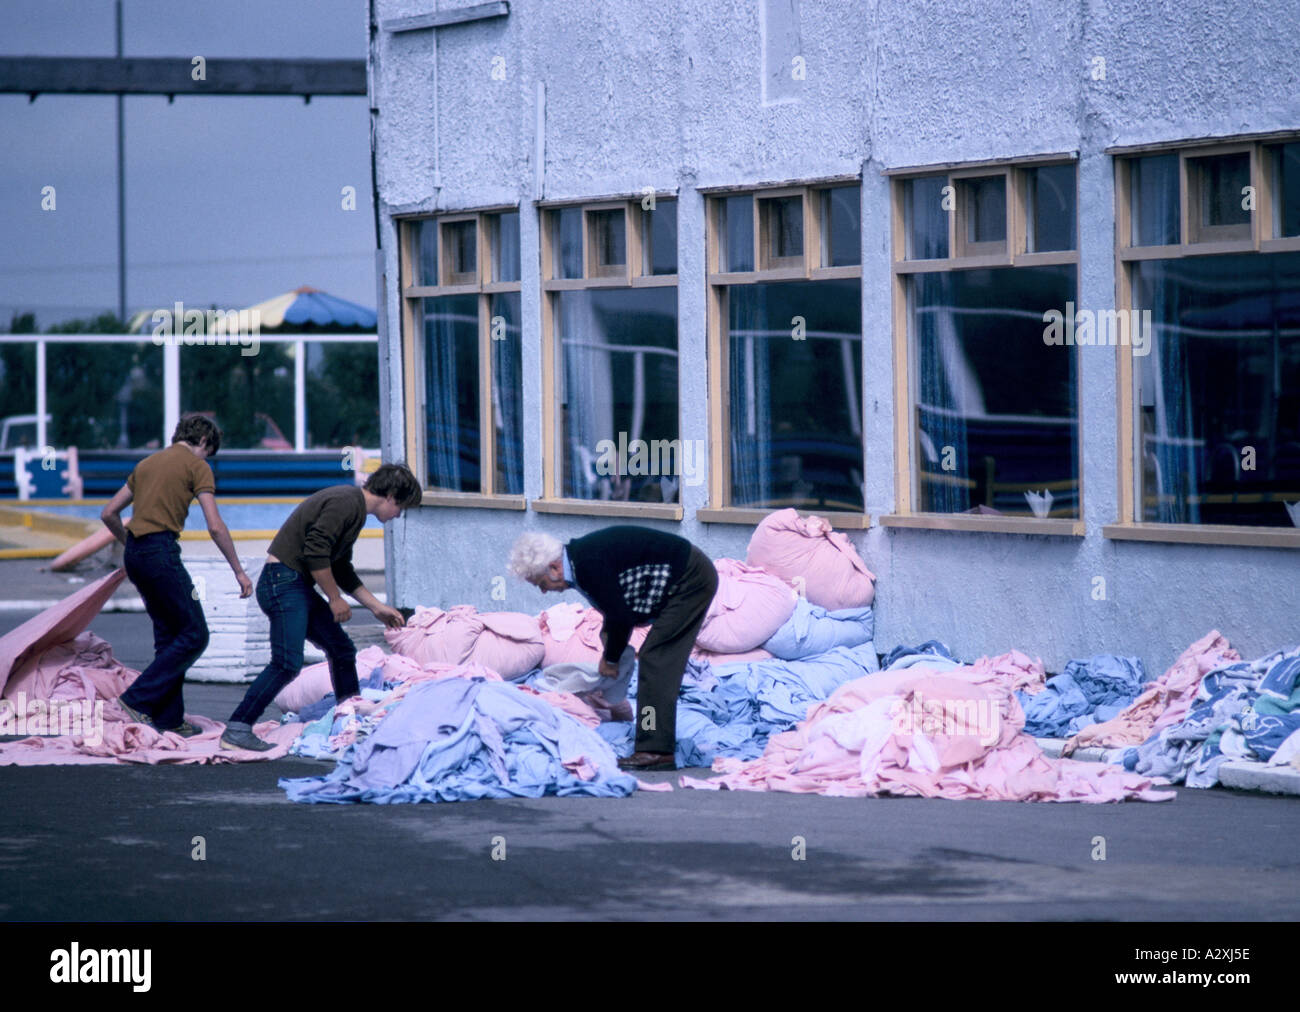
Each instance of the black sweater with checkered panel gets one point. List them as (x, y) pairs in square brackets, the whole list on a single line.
[(626, 573)]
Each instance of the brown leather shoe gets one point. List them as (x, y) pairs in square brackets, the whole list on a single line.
[(645, 762)]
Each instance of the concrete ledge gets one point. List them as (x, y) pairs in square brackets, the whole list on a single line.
[(1245, 775), (1052, 749)]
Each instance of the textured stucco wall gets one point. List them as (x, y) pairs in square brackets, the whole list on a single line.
[(670, 95)]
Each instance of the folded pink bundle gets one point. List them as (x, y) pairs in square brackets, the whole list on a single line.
[(571, 635), (748, 607), (805, 552), (507, 642)]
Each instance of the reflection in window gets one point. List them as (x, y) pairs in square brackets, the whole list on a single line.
[(796, 395), (1154, 184), (250, 397), (1051, 212), (18, 388), (996, 411), (507, 393), (618, 389), (1220, 394), (567, 242), (927, 219), (451, 347), (427, 231), (342, 409), (1286, 190), (659, 229), (737, 225), (841, 231), (504, 230), (109, 396)]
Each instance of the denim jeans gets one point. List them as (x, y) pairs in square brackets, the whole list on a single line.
[(180, 632), (297, 613)]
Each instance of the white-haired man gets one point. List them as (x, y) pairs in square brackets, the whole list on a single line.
[(633, 575)]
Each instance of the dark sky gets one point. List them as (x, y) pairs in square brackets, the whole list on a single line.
[(228, 200)]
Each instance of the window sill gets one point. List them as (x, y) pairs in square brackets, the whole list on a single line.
[(751, 517), (1205, 534), (474, 500), (989, 525), (607, 508)]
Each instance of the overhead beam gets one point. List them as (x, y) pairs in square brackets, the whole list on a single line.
[(38, 75), (441, 19)]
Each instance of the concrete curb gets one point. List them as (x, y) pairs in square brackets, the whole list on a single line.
[(1239, 774)]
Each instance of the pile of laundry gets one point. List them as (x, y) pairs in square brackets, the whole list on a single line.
[(59, 685), (1210, 707), (950, 731)]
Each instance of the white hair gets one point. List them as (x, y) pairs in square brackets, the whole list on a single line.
[(532, 554)]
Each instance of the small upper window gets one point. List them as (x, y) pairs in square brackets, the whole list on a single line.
[(1154, 183)]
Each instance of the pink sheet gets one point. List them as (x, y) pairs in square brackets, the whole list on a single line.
[(956, 734), (54, 625), (1163, 702)]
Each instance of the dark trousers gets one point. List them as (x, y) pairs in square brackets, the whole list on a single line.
[(180, 632), (297, 613), (661, 662)]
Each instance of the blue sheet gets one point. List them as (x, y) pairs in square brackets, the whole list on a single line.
[(1086, 692), (811, 630)]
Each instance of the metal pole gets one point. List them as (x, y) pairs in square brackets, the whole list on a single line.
[(121, 185)]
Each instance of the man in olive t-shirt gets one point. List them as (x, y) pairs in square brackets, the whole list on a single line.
[(161, 487), (313, 549)]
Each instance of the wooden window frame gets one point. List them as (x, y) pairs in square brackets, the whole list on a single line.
[(1128, 525), (628, 275), (809, 268), (479, 283), (1013, 255)]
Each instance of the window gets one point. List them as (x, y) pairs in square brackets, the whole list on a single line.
[(786, 305), (985, 267), (1210, 409), (612, 414), (460, 285)]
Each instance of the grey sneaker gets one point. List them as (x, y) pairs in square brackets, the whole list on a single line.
[(186, 730), (236, 738), (137, 716)]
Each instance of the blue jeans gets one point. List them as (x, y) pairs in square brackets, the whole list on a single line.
[(180, 632), (297, 613)]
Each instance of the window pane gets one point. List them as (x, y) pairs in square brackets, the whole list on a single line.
[(784, 226), (738, 227), (1051, 208), (428, 238), (507, 393), (250, 397), (996, 412), (796, 394), (1155, 200), (342, 394), (1223, 182), (451, 392), (1287, 199), (841, 227), (660, 229), (505, 246), (107, 396), (927, 218), (566, 242), (1220, 393), (986, 208), (618, 398), (609, 232), (461, 240), (18, 397)]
